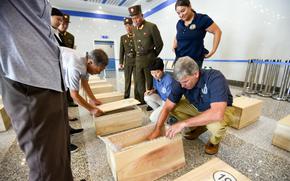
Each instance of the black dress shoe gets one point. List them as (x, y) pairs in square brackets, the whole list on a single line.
[(73, 119), (141, 103), (72, 104), (74, 131), (73, 148), (149, 108)]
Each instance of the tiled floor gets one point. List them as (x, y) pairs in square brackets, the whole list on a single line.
[(248, 150)]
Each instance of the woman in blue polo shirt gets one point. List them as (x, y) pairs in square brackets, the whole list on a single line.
[(191, 30)]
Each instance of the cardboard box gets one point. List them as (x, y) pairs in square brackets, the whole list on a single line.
[(213, 170), (114, 123), (281, 137), (109, 96), (4, 119), (133, 158), (247, 110)]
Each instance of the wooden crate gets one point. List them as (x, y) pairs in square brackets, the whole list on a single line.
[(214, 170), (247, 110), (97, 82), (97, 89), (112, 106), (133, 158), (281, 137), (114, 123), (94, 78), (109, 96), (4, 119)]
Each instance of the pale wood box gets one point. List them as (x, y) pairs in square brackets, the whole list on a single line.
[(133, 158), (102, 88), (247, 111), (281, 137), (116, 105), (117, 122), (213, 170), (4, 119), (109, 96)]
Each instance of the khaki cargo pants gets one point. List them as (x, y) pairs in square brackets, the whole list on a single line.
[(184, 110)]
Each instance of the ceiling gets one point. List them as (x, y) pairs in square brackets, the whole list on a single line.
[(114, 7)]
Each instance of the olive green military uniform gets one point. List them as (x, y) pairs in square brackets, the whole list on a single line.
[(68, 39), (148, 45), (127, 58)]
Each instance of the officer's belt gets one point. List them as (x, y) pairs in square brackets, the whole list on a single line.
[(130, 55), (139, 54)]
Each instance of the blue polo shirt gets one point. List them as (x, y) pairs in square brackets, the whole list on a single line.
[(190, 38), (164, 85), (211, 87)]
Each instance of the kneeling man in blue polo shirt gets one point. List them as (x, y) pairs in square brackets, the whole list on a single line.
[(207, 105)]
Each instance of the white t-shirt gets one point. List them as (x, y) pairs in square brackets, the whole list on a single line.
[(75, 68)]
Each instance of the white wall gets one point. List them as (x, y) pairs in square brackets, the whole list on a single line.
[(86, 30), (251, 29)]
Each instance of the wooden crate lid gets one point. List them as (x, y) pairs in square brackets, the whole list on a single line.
[(243, 102), (108, 94), (97, 81), (285, 121), (118, 104), (213, 170), (101, 85)]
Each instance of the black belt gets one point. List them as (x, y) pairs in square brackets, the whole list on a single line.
[(139, 54), (130, 55)]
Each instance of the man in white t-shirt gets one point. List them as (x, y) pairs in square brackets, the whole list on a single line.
[(77, 70)]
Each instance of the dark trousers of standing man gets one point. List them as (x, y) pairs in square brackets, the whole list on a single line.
[(39, 118), (129, 70), (143, 77)]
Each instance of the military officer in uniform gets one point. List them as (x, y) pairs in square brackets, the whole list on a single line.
[(148, 44), (127, 56), (67, 38)]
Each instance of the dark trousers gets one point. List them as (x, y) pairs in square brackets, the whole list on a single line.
[(39, 118), (129, 70), (143, 76), (68, 97)]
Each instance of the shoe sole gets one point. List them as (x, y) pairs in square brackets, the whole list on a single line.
[(73, 151)]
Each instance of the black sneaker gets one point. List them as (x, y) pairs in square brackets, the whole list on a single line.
[(73, 148), (149, 108), (74, 131), (171, 120)]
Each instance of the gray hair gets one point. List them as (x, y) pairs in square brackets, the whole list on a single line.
[(99, 57), (184, 66)]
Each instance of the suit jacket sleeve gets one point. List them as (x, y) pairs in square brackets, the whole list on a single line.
[(158, 43), (122, 51)]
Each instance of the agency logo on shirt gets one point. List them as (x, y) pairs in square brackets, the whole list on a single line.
[(163, 90), (204, 89)]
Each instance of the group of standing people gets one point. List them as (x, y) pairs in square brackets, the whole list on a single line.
[(34, 80), (138, 49)]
